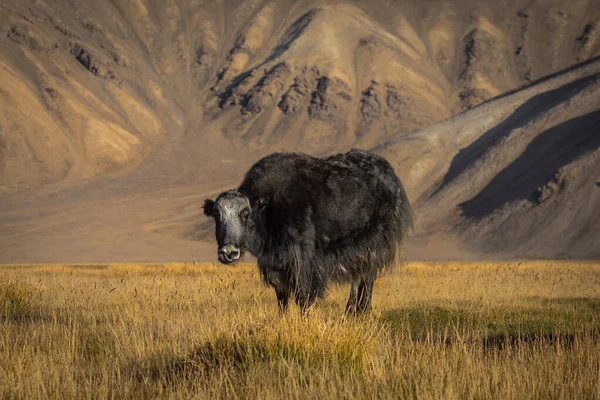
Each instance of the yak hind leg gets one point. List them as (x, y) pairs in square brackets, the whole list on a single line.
[(365, 294), (361, 292), (352, 304)]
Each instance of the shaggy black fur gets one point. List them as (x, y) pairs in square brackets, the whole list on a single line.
[(314, 220)]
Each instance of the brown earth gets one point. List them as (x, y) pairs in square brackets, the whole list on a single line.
[(118, 118)]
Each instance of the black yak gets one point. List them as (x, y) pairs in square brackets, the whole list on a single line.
[(313, 220)]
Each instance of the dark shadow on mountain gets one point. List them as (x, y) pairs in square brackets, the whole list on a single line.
[(237, 81), (546, 154), (524, 114), (292, 33)]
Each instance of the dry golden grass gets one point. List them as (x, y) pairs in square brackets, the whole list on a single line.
[(439, 330)]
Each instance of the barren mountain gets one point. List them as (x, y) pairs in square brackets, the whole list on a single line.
[(516, 176), (118, 117)]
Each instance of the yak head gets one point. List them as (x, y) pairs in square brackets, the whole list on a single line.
[(233, 213)]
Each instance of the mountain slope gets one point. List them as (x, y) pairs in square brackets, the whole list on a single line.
[(516, 176), (108, 83), (118, 117)]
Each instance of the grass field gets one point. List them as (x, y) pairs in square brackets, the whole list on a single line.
[(438, 330)]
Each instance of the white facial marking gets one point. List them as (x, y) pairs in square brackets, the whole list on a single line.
[(229, 215)]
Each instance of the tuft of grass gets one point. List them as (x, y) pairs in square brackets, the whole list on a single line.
[(18, 299), (310, 343), (290, 350), (96, 345)]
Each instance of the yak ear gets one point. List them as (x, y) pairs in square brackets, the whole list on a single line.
[(261, 203), (209, 207)]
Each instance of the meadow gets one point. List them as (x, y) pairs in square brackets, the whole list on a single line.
[(438, 330)]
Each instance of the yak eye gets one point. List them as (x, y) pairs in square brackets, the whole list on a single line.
[(245, 213)]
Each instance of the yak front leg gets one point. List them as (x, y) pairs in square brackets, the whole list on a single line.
[(283, 297), (280, 282), (305, 300), (306, 291)]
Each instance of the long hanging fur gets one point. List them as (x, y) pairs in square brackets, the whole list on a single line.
[(346, 217)]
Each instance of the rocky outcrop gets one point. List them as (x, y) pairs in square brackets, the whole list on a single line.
[(484, 50), (395, 103), (470, 96), (370, 103), (321, 96), (296, 97), (553, 186), (586, 40), (97, 65), (21, 36), (523, 63), (325, 100), (205, 57), (265, 93)]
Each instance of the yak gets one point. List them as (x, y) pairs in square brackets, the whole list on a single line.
[(310, 221)]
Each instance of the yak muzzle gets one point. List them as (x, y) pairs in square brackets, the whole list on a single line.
[(229, 254)]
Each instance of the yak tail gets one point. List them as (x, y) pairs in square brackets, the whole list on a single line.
[(403, 224)]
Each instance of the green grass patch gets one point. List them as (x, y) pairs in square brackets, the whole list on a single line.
[(548, 320)]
